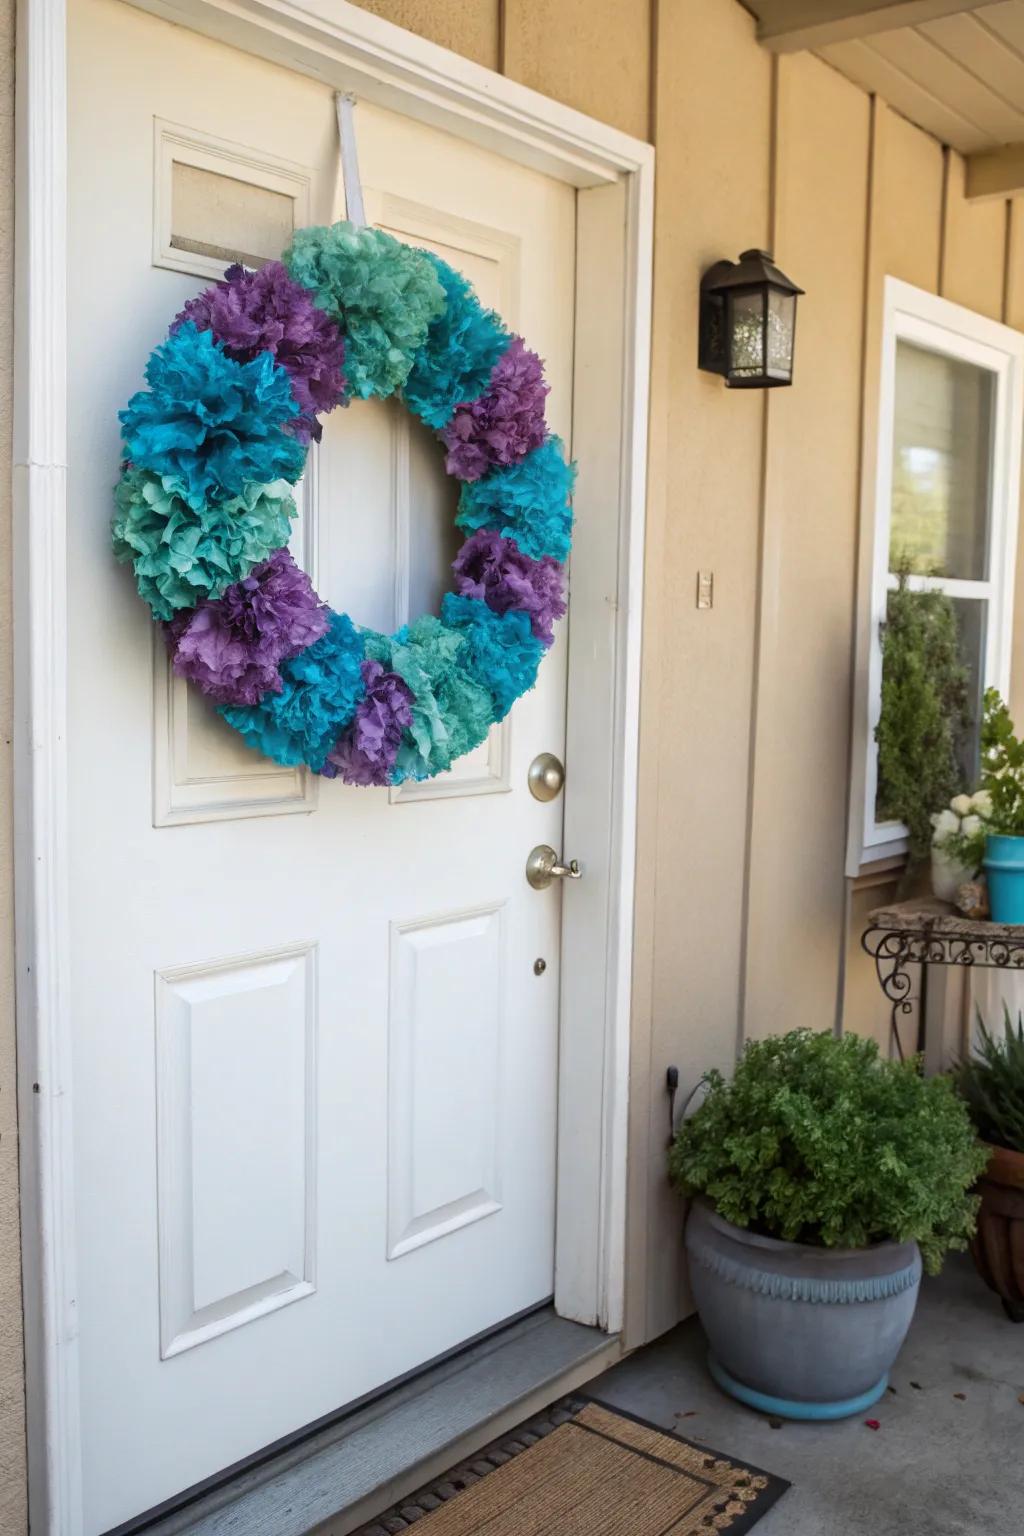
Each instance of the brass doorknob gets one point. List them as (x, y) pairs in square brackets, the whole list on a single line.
[(542, 867)]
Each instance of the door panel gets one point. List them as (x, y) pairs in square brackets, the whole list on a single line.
[(315, 1070), (444, 1165), (236, 1208)]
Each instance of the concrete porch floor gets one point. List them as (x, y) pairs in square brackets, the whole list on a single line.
[(939, 1465)]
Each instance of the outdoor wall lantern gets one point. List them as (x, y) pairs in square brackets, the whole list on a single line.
[(748, 322)]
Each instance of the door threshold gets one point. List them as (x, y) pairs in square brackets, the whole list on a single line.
[(339, 1478)]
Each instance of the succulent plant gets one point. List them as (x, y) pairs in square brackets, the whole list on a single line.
[(991, 1081)]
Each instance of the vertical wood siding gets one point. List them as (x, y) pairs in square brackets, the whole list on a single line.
[(592, 54), (802, 703), (745, 922), (713, 197)]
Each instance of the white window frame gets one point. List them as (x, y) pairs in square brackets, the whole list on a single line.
[(937, 325)]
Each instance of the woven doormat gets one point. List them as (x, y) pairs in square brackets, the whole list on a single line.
[(583, 1469)]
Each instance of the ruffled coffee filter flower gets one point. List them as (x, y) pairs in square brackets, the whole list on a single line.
[(266, 311), (505, 422), (231, 647), (381, 293), (320, 688), (366, 752), (462, 346), (529, 501), (493, 568), (211, 426), (180, 553)]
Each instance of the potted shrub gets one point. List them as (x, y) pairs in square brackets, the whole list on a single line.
[(1002, 776), (992, 1083), (822, 1176)]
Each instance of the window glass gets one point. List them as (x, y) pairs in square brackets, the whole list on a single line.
[(972, 623), (942, 465), (215, 215)]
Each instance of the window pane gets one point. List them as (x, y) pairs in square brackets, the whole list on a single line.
[(972, 621), (942, 462), (972, 616)]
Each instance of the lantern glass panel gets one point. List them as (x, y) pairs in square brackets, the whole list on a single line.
[(781, 326), (747, 335)]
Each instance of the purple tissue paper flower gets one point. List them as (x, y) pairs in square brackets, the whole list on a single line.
[(505, 422), (267, 311), (365, 753), (492, 567), (231, 646)]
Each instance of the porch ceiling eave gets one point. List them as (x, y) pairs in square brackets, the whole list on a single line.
[(953, 67)]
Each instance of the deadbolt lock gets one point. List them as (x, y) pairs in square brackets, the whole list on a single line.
[(545, 776)]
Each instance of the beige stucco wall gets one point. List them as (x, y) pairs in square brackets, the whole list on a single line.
[(13, 1502), (745, 921)]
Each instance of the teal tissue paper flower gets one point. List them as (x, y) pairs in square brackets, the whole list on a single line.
[(210, 425), (382, 294), (463, 344), (451, 713), (501, 653), (321, 687), (181, 554), (528, 501)]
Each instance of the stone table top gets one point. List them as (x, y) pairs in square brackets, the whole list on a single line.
[(926, 915)]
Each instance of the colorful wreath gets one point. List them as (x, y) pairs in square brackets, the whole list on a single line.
[(204, 505)]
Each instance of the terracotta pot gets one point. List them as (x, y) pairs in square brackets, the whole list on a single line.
[(998, 1245)]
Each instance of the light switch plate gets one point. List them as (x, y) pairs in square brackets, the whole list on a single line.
[(705, 589)]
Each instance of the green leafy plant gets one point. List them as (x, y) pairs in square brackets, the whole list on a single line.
[(925, 712), (991, 1082), (818, 1140), (1002, 767)]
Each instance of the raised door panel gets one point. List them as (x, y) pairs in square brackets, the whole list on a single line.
[(444, 1054), (235, 1063), (217, 201)]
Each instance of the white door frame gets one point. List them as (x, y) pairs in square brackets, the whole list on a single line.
[(348, 48)]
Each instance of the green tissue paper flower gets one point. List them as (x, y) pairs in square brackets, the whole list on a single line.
[(180, 553), (382, 294), (451, 714)]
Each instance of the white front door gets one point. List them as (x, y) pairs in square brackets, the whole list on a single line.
[(315, 1050)]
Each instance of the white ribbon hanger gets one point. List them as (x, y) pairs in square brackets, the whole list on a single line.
[(352, 187)]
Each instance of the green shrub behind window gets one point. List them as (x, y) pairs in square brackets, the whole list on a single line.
[(925, 717)]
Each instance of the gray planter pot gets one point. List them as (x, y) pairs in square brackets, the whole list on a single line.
[(805, 1333)]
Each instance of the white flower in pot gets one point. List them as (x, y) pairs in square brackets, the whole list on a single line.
[(958, 845)]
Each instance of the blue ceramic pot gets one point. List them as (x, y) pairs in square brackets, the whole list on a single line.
[(1004, 866)]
